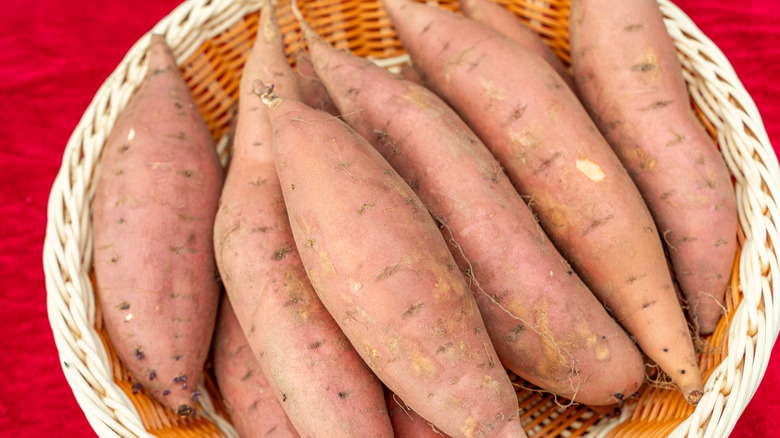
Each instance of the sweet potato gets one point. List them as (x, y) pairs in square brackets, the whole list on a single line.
[(379, 264), (323, 384), (153, 213), (313, 93), (545, 324), (555, 156), (631, 81), (249, 398), (406, 422), (504, 21)]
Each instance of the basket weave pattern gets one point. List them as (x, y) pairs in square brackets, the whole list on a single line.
[(211, 39)]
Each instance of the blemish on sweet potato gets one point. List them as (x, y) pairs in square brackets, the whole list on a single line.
[(659, 104), (411, 311), (280, 253), (388, 271), (633, 27), (597, 223)]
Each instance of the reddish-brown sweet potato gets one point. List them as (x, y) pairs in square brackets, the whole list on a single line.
[(154, 209), (545, 324), (323, 384), (248, 395), (630, 78), (555, 156), (504, 21), (313, 93), (406, 422), (381, 267)]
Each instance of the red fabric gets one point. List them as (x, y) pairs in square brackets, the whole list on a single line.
[(54, 57)]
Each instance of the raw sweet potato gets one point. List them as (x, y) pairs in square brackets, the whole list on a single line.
[(154, 209), (249, 398), (323, 384), (406, 422), (501, 19), (555, 156), (378, 262), (631, 81), (545, 324), (313, 93)]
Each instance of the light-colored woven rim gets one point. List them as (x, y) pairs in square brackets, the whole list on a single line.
[(714, 87)]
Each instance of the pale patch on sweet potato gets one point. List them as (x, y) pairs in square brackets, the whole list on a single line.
[(590, 169)]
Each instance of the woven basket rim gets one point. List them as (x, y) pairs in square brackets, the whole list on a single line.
[(741, 135)]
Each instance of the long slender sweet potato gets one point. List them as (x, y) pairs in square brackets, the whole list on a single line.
[(154, 209), (631, 81), (504, 21), (323, 384), (249, 398), (555, 156), (545, 324), (381, 267), (313, 93), (406, 422)]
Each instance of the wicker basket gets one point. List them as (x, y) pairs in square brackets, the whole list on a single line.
[(211, 38)]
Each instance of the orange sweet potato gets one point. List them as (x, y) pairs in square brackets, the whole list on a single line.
[(381, 267), (248, 395), (323, 384), (555, 156), (154, 209), (545, 324), (630, 78)]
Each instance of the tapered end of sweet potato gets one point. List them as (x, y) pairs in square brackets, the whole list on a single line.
[(185, 410), (694, 397)]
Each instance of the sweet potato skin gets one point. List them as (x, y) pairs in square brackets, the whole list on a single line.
[(505, 22), (406, 422), (381, 267), (574, 183), (301, 349), (631, 81), (545, 324), (249, 398), (153, 214)]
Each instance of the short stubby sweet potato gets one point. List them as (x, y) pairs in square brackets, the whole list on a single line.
[(247, 394), (630, 79), (545, 324), (503, 20), (557, 159), (380, 265), (153, 217), (322, 383)]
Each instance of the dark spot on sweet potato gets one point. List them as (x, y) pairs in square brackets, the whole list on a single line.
[(284, 397), (185, 411), (124, 148), (427, 26), (315, 345), (123, 306), (259, 182), (152, 375), (119, 172), (634, 278), (136, 388), (253, 407), (158, 71), (344, 394), (643, 67), (682, 371), (166, 392), (666, 350), (185, 173), (195, 395), (633, 27), (114, 258), (443, 348), (546, 163), (363, 208), (657, 105), (139, 354), (280, 253), (597, 223), (178, 105), (388, 271), (176, 135), (411, 311), (721, 242)]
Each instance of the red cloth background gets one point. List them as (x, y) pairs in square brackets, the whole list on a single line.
[(53, 57)]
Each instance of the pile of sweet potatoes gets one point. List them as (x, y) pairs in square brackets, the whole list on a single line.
[(389, 246)]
